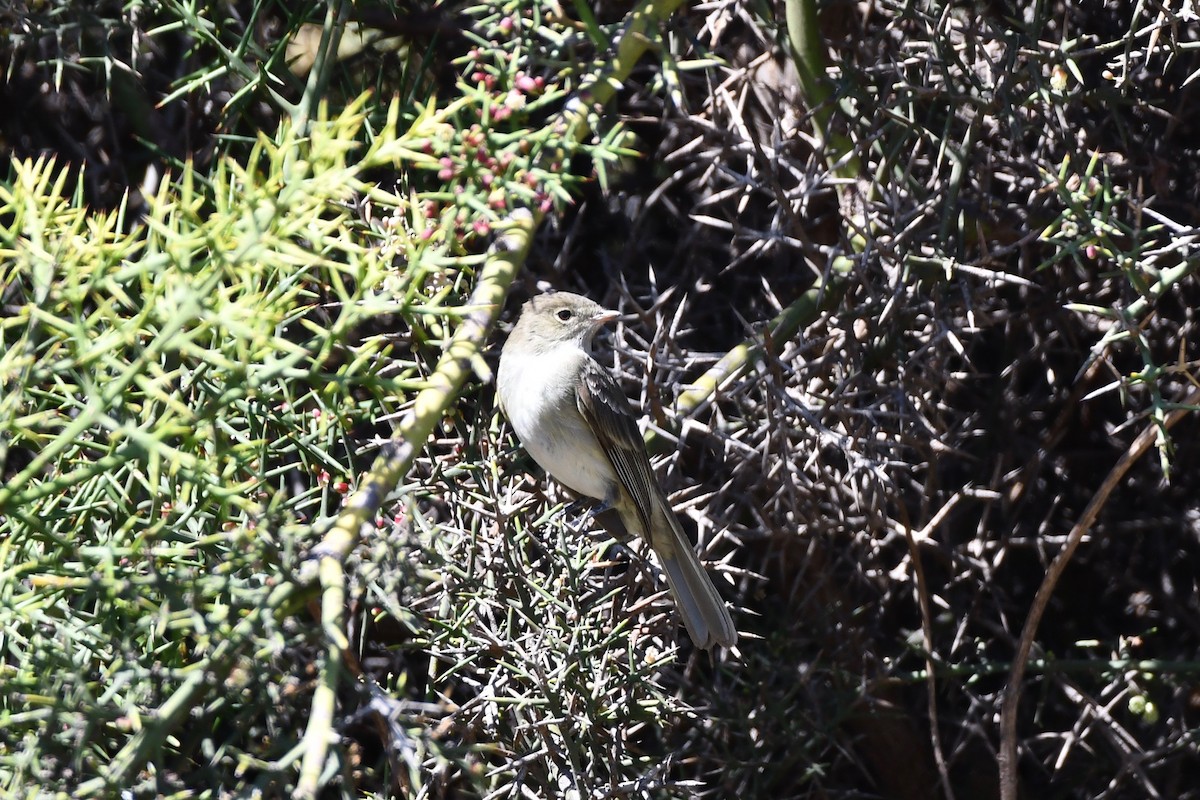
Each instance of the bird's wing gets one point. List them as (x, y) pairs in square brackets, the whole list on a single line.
[(606, 411)]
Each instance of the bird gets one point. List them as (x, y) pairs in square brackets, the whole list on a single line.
[(570, 414)]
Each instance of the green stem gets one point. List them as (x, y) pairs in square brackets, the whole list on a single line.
[(823, 294), (804, 38)]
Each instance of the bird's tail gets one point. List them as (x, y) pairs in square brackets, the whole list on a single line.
[(704, 613)]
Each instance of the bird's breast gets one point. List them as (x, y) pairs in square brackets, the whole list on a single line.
[(541, 406)]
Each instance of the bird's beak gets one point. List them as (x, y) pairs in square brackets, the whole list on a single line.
[(604, 317)]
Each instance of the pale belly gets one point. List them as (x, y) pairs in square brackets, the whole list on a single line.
[(549, 425)]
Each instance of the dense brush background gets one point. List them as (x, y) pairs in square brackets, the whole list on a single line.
[(223, 278)]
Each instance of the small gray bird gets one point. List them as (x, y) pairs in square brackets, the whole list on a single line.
[(572, 417)]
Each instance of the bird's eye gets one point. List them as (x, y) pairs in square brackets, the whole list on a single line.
[(564, 314)]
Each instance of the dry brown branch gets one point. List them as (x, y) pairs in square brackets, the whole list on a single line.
[(1012, 690)]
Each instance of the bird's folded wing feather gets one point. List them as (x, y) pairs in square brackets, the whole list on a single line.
[(606, 410)]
